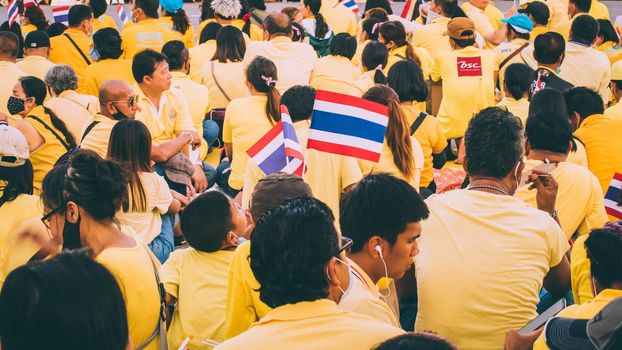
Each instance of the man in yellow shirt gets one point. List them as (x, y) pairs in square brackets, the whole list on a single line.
[(502, 280), (518, 28), (432, 35), (147, 32), (575, 8), (615, 111), (73, 46), (339, 18), (487, 20), (108, 63), (539, 14), (303, 283), (10, 73), (36, 54)]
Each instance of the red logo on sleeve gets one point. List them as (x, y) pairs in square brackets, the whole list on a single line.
[(469, 66)]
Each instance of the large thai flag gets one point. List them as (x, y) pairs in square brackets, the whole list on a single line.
[(347, 125), (61, 14), (13, 12), (279, 150), (121, 13), (351, 4), (612, 197)]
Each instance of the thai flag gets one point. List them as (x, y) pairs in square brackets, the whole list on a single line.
[(347, 125), (13, 12), (408, 10), (279, 150), (612, 197), (351, 4), (30, 3), (121, 13), (61, 14)]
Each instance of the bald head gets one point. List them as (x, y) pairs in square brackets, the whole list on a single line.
[(278, 24), (114, 96)]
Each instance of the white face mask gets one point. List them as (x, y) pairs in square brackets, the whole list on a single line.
[(345, 292), (431, 16)]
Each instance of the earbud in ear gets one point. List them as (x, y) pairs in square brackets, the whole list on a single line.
[(378, 248)]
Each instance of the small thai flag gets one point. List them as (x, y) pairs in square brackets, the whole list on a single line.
[(30, 3), (408, 10), (13, 12), (347, 125), (121, 13), (612, 197), (61, 14), (351, 4), (279, 150)]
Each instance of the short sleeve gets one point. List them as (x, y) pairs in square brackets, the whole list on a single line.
[(226, 126), (435, 73), (558, 244), (438, 141), (169, 272), (482, 25), (240, 311), (350, 172), (163, 194), (596, 216), (183, 121)]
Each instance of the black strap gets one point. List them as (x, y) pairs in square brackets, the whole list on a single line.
[(60, 139), (86, 59), (256, 18), (512, 55), (88, 129), (400, 56), (418, 122)]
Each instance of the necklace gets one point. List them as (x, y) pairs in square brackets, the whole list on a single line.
[(494, 188)]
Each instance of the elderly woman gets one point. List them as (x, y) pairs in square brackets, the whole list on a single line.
[(72, 108)]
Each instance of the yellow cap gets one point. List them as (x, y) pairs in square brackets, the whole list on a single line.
[(616, 71)]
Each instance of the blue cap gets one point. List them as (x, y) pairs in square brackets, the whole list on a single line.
[(172, 6), (520, 23)]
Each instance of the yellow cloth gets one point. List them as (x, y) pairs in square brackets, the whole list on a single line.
[(583, 312), (598, 10), (339, 18), (586, 66), (133, 270), (197, 97), (36, 66), (63, 52), (199, 282), (17, 248), (98, 138), (318, 324), (612, 50), (357, 59), (463, 96), (602, 140), (519, 108), (108, 69), (396, 55), (580, 274), (537, 31), (558, 10), (614, 111), (486, 21), (579, 156), (386, 164), (10, 74), (579, 197), (334, 73), (27, 29), (496, 244), (364, 83), (432, 141), (187, 38), (103, 21), (431, 38), (232, 80), (199, 56), (169, 119), (256, 32), (503, 51), (146, 34), (74, 110)]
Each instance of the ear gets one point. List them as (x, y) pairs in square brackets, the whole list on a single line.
[(72, 213), (331, 270), (266, 35), (231, 238), (527, 147), (371, 246), (575, 121)]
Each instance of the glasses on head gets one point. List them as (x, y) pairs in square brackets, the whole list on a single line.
[(131, 102), (346, 246), (45, 219)]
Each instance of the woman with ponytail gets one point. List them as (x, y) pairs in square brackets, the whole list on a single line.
[(47, 135), (401, 153), (374, 59), (319, 32), (369, 33), (393, 35), (247, 119), (174, 18)]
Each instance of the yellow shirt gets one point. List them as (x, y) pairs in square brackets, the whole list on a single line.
[(602, 140), (318, 324), (63, 52), (10, 74), (463, 94), (256, 31), (431, 38), (598, 10), (497, 244), (358, 54), (558, 10), (74, 110), (580, 274), (612, 50), (17, 248), (108, 69), (503, 51), (197, 97), (199, 282), (578, 157), (614, 112), (586, 66), (386, 164), (231, 78), (537, 31), (98, 138), (27, 29), (364, 83), (579, 197), (432, 141), (103, 21), (187, 37), (339, 18), (519, 108), (486, 21), (36, 66), (133, 270), (199, 56), (146, 34), (396, 55), (167, 120), (334, 73)]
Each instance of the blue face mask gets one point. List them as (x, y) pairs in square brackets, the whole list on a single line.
[(94, 54)]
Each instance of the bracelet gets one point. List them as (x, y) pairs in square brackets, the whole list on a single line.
[(553, 214)]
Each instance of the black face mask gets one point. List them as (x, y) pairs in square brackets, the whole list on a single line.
[(119, 115), (71, 235)]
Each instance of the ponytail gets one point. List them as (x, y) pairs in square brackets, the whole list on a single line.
[(262, 75), (180, 21), (60, 126), (273, 107), (379, 77), (410, 54), (246, 28), (321, 28)]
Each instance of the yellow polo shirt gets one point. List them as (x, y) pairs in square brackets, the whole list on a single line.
[(146, 34), (167, 120), (108, 69), (36, 66), (580, 274), (466, 93), (74, 110), (199, 56), (10, 74), (599, 10), (612, 50), (386, 164), (519, 108), (187, 37), (199, 281), (504, 50), (558, 10), (396, 55), (358, 54), (486, 21), (339, 18), (230, 76), (63, 52), (98, 138), (27, 29), (537, 31), (431, 38), (197, 97), (334, 73), (103, 21), (614, 112), (602, 140), (318, 324), (579, 197), (579, 156)]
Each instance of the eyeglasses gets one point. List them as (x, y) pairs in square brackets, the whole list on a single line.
[(346, 246), (45, 219), (131, 102)]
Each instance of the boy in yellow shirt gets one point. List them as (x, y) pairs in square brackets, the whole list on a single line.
[(147, 32)]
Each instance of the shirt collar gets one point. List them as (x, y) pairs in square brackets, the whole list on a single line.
[(75, 31), (147, 101), (359, 273), (281, 39), (608, 295), (302, 310), (591, 119), (178, 74), (97, 117), (67, 93)]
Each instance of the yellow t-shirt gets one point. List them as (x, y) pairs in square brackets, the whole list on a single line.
[(578, 157), (10, 74), (199, 56), (558, 10), (614, 112), (146, 34), (108, 69), (364, 83), (17, 248), (339, 18), (612, 50), (103, 21), (599, 10), (431, 37), (465, 91), (386, 164), (396, 55), (486, 21), (357, 59), (74, 110), (231, 78), (579, 197), (519, 108), (199, 281), (133, 270), (27, 29), (496, 244), (334, 73), (503, 51), (36, 66), (537, 31), (588, 67), (580, 274), (198, 98), (98, 138), (187, 37), (245, 123), (62, 51), (255, 31)]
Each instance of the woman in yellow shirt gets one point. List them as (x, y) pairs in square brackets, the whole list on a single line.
[(369, 33), (373, 59), (33, 19), (608, 41), (48, 137), (203, 53), (393, 35), (100, 18), (107, 62), (517, 81), (174, 18)]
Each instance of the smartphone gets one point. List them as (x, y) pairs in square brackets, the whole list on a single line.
[(543, 317)]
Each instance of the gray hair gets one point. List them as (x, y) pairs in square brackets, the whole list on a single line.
[(61, 78)]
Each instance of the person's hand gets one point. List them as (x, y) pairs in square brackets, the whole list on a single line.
[(515, 341), (196, 140), (181, 198), (546, 188), (199, 180)]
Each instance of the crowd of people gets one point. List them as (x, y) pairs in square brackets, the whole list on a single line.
[(133, 217)]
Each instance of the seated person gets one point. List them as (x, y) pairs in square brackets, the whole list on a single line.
[(416, 340)]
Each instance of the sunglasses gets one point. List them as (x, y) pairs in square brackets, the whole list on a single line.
[(131, 102), (346, 246)]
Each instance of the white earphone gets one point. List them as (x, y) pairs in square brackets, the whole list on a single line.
[(378, 248)]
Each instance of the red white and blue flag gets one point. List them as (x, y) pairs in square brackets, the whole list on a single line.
[(348, 125), (13, 12), (612, 197), (409, 9), (61, 14), (121, 13), (279, 150), (351, 4), (30, 3)]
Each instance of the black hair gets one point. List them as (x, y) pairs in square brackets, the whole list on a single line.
[(465, 42), (583, 101), (450, 8), (380, 205), (273, 25), (518, 78), (548, 100), (383, 4), (35, 88), (607, 31), (582, 5), (53, 184), (299, 100), (584, 29), (18, 180), (378, 13), (69, 302), (207, 12), (375, 55), (549, 47), (36, 17), (79, 13), (290, 273), (149, 7), (177, 54), (99, 7), (107, 42), (321, 27), (181, 23), (548, 131), (343, 44), (258, 71), (406, 78), (209, 32), (603, 249), (206, 221), (298, 32), (230, 45), (493, 143), (368, 27), (517, 33), (56, 29), (395, 31), (145, 63), (248, 5), (9, 44), (416, 340), (16, 29)]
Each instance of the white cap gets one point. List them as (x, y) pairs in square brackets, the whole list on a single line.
[(13, 147)]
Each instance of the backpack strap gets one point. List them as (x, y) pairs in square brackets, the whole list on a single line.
[(213, 66), (512, 55), (160, 327), (60, 139), (88, 129), (418, 122), (86, 59)]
